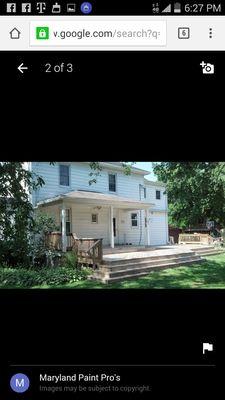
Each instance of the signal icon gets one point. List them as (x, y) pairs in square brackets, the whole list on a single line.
[(168, 9)]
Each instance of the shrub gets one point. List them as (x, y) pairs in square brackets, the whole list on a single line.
[(69, 260), (41, 253), (27, 278)]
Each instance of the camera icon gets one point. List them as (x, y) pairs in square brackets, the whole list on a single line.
[(207, 68)]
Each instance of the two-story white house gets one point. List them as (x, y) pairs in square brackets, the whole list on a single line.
[(121, 209)]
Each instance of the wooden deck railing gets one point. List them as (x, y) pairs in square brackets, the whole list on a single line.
[(54, 240), (88, 250), (195, 238)]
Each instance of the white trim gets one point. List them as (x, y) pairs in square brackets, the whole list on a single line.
[(154, 183), (64, 238), (111, 228), (134, 170), (101, 199), (147, 228), (138, 222)]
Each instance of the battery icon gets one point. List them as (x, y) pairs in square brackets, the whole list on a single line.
[(177, 8)]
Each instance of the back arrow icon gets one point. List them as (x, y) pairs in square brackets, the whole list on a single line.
[(21, 68)]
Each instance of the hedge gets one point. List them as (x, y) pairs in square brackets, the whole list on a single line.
[(27, 278)]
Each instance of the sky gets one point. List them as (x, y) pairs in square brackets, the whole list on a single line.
[(148, 167)]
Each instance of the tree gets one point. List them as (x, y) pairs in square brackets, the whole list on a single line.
[(16, 211), (196, 191), (17, 221), (96, 169)]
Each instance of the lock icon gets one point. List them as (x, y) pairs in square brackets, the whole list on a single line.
[(42, 32)]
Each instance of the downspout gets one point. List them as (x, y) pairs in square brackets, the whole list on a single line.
[(140, 239), (167, 225)]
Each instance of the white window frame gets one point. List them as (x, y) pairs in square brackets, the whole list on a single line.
[(131, 219), (67, 220), (94, 222), (112, 173), (69, 166)]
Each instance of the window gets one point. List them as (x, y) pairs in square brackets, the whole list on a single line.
[(94, 218), (68, 221), (134, 220), (144, 192), (158, 194), (112, 182), (64, 172)]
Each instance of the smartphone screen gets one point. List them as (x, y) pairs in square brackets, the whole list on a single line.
[(112, 193)]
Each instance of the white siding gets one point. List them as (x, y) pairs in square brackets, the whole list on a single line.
[(129, 234), (83, 227), (127, 186), (151, 197)]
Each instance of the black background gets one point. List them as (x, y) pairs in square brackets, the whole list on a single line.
[(117, 106), (116, 7), (159, 98)]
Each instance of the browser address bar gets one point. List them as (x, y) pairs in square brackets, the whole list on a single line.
[(98, 33)]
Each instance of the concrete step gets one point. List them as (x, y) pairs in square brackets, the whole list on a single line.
[(146, 262), (137, 271), (148, 268), (124, 261)]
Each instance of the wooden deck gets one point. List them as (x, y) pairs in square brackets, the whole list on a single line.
[(127, 262), (126, 249)]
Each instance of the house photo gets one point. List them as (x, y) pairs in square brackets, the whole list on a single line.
[(123, 210), (83, 225)]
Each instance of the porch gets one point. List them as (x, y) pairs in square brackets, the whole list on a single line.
[(116, 220), (90, 250)]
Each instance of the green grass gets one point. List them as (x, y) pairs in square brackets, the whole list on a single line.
[(209, 274)]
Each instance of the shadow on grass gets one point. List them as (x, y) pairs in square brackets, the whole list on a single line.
[(208, 274)]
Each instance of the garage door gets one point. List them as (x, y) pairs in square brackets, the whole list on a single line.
[(158, 229)]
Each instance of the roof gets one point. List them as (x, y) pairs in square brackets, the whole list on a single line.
[(154, 183), (119, 165), (99, 199)]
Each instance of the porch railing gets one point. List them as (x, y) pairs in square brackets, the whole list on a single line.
[(195, 238), (54, 240), (88, 250)]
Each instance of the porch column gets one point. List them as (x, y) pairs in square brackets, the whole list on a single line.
[(147, 228), (111, 227), (63, 218)]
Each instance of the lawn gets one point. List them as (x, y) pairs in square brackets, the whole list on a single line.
[(209, 274)]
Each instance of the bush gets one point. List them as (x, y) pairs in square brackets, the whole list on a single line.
[(69, 260), (27, 278), (41, 253)]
